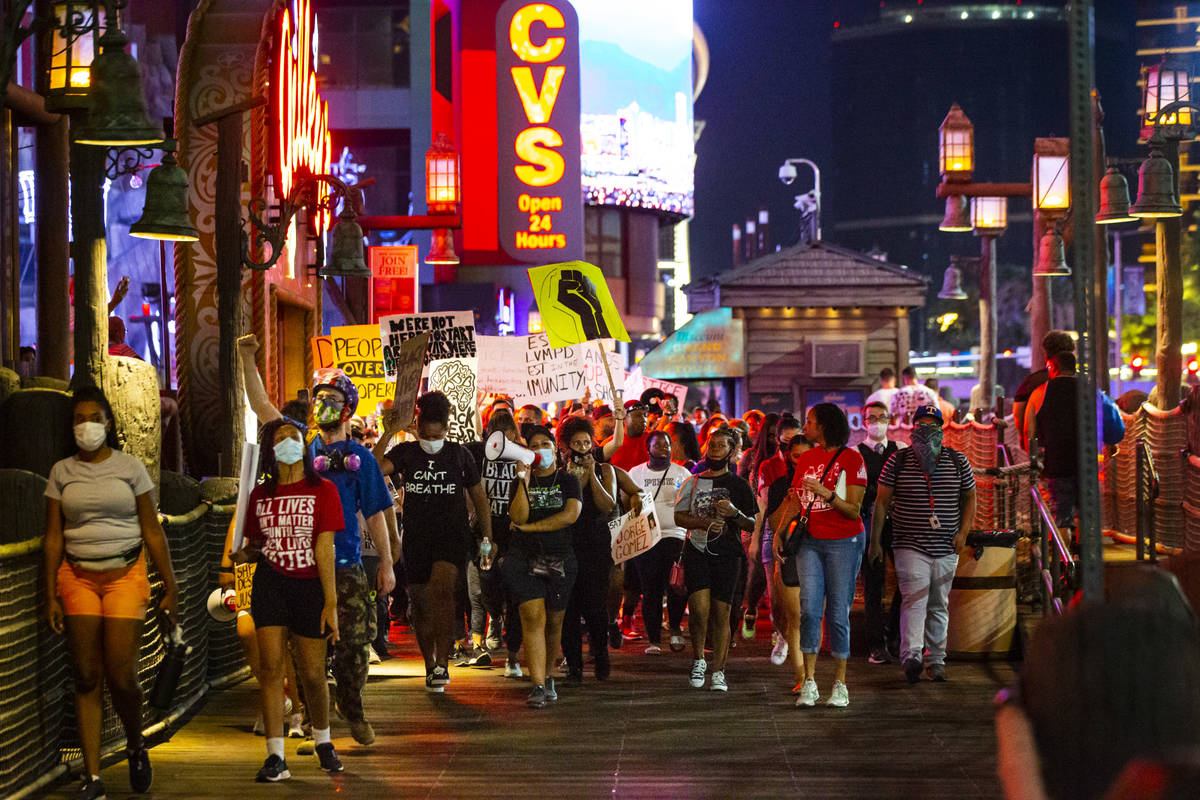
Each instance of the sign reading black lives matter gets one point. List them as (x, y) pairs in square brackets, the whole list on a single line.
[(451, 335)]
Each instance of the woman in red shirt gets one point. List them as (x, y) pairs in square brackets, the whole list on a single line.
[(819, 569)]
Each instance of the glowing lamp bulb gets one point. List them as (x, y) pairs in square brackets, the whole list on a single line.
[(81, 78)]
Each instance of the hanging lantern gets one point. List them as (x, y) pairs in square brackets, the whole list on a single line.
[(347, 259), (1165, 83), (116, 103), (1051, 175), (956, 218), (1114, 198), (442, 192), (989, 215), (1156, 187), (956, 146), (74, 40), (1052, 256), (952, 282), (165, 214)]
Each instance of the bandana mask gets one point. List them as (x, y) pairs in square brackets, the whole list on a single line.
[(927, 444)]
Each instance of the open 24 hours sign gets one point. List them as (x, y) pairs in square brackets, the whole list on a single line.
[(540, 204)]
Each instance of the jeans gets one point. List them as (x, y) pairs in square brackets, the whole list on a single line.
[(827, 569), (924, 610), (485, 588), (654, 570)]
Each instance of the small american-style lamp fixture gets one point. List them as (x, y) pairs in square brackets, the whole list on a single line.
[(442, 195)]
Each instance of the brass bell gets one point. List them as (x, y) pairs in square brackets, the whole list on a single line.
[(952, 284), (347, 259), (957, 217), (1052, 257)]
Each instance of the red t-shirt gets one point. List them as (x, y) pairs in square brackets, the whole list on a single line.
[(824, 521), (770, 471), (285, 526), (631, 452)]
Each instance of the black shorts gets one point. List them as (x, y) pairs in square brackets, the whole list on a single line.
[(523, 587), (422, 548), (281, 600), (717, 573)]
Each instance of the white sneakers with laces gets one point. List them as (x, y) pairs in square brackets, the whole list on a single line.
[(839, 697), (809, 695), (779, 652), (718, 681), (699, 668)]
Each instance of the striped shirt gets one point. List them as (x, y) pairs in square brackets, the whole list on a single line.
[(912, 493)]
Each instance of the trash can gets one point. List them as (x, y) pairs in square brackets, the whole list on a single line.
[(983, 597)]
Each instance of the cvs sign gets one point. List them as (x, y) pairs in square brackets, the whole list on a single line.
[(540, 205)]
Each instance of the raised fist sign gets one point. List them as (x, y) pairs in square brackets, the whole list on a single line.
[(577, 293)]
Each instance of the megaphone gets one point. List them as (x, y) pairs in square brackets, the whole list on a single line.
[(499, 448), (222, 604)]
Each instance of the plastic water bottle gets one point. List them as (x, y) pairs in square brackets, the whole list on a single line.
[(485, 554)]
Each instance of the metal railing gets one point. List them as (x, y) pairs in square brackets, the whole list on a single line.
[(1147, 493)]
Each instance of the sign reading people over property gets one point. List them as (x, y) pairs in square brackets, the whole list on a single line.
[(451, 335), (575, 304), (540, 203), (711, 345), (357, 351)]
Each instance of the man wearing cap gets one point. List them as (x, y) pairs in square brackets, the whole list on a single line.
[(628, 446), (929, 491)]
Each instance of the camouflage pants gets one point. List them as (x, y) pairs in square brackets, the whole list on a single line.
[(356, 630)]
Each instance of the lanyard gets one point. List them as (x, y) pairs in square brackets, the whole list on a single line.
[(929, 482)]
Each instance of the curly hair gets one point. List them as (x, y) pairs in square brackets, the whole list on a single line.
[(575, 425), (834, 425), (268, 467), (434, 407)]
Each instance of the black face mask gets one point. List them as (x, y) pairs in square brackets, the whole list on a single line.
[(716, 464)]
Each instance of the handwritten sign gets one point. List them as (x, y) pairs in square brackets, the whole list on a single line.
[(455, 378), (243, 584), (633, 534), (636, 383), (451, 335), (529, 370), (358, 352), (410, 361)]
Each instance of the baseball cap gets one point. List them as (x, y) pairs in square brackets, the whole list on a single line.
[(634, 403), (928, 411), (600, 412)]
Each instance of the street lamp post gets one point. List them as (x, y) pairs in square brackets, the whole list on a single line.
[(810, 202), (989, 216)]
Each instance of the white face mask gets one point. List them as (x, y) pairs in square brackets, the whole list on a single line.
[(90, 436), (289, 451), (432, 446), (877, 430)]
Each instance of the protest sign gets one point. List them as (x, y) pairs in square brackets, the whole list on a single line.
[(358, 352), (636, 383), (575, 304), (322, 350), (410, 361), (595, 376), (530, 370), (455, 378), (633, 534), (451, 335)]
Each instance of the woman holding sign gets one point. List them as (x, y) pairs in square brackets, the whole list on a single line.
[(290, 523), (540, 567)]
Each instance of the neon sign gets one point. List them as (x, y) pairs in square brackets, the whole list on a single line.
[(541, 199), (506, 312), (302, 117)]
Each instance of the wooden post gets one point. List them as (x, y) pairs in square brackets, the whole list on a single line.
[(1039, 303), (608, 371), (1100, 279), (987, 324), (53, 250), (90, 255), (1169, 285)]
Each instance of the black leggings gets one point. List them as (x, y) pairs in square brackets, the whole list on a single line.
[(654, 570), (589, 603)]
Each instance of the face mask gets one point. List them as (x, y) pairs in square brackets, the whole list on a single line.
[(659, 462), (877, 430), (90, 436), (545, 456), (432, 446), (328, 413), (289, 451), (715, 464), (927, 443)]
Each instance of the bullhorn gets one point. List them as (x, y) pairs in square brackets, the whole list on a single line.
[(499, 448), (222, 604)]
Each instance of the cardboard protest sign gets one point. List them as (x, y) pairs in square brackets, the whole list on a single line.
[(530, 370), (455, 378), (357, 351), (410, 362), (575, 304), (633, 534), (595, 377), (636, 383), (322, 349), (451, 335)]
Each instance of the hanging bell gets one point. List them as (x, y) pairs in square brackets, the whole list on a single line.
[(957, 217), (347, 257), (165, 214), (952, 284), (441, 247), (1114, 198), (116, 105), (1052, 256), (1156, 187)]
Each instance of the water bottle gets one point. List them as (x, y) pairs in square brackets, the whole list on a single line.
[(485, 554)]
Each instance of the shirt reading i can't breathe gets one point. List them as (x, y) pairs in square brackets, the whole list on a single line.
[(435, 488), (285, 525)]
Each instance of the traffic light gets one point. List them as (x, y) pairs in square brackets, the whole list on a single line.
[(1192, 367), (1135, 365)]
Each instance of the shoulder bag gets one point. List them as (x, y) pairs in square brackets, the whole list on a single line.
[(796, 531)]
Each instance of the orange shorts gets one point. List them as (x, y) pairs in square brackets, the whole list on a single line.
[(122, 593)]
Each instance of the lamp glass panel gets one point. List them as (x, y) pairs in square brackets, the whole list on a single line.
[(1163, 87), (956, 150), (70, 64), (989, 213), (441, 178), (1051, 182)]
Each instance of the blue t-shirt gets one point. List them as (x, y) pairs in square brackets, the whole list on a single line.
[(362, 490)]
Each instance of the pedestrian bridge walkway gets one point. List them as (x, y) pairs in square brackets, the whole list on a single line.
[(645, 733)]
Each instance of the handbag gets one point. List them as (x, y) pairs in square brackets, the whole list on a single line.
[(675, 580), (795, 530)]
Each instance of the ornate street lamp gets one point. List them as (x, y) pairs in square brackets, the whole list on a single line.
[(165, 214), (116, 104), (1051, 178), (74, 40), (1114, 198), (989, 215), (956, 146), (1165, 83), (442, 195)]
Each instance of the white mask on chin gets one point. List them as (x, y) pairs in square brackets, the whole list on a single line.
[(432, 446)]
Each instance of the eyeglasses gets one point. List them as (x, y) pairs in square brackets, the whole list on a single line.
[(330, 398), (926, 425), (879, 419)]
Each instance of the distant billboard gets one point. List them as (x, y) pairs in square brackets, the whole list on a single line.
[(636, 103)]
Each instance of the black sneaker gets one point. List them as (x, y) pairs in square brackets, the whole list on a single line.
[(274, 769), (140, 773), (537, 698), (615, 637), (574, 677), (937, 673), (480, 658), (328, 758), (91, 789), (880, 657), (440, 676), (912, 670), (433, 686), (603, 667)]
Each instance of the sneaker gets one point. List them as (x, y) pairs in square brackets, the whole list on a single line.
[(809, 695), (699, 667), (603, 668), (372, 656), (433, 686), (140, 773), (380, 649), (441, 676), (718, 682), (362, 731), (328, 759), (677, 642), (460, 658), (91, 789), (748, 622), (628, 631), (480, 658), (912, 669), (512, 668), (838, 696), (259, 728), (294, 726), (800, 685), (551, 692), (273, 769), (937, 673), (653, 650), (880, 657), (537, 698), (615, 637), (306, 747), (779, 652)]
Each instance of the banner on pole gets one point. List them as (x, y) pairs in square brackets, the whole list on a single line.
[(451, 335), (575, 304), (633, 534)]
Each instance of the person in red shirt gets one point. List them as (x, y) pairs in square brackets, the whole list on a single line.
[(630, 450), (291, 519), (819, 569)]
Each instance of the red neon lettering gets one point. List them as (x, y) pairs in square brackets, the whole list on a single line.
[(304, 143)]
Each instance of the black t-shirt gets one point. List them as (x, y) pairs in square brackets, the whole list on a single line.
[(591, 529), (1031, 382), (776, 493), (707, 492), (500, 482), (434, 488), (547, 496)]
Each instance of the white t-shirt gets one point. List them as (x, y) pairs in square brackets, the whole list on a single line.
[(882, 396), (669, 481), (99, 503)]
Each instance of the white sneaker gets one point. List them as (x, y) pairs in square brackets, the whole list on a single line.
[(653, 650), (699, 667), (372, 656), (779, 652), (295, 726), (512, 668), (838, 696), (718, 682), (808, 694)]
